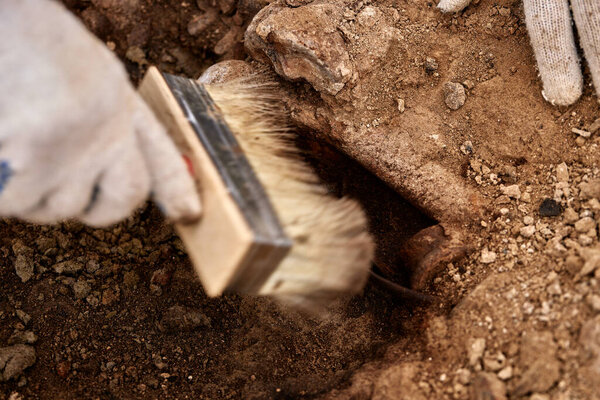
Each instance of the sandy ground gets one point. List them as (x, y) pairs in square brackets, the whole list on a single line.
[(118, 313)]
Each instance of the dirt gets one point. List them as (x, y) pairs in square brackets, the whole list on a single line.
[(118, 313)]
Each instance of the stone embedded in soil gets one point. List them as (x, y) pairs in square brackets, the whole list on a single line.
[(550, 208), (541, 368), (475, 349), (527, 231), (179, 318), (585, 224), (562, 173), (67, 267), (486, 386), (487, 256), (14, 360), (24, 267), (505, 373), (431, 65), (594, 126), (512, 191), (23, 316), (454, 95)]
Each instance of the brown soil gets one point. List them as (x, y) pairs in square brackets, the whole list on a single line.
[(118, 313)]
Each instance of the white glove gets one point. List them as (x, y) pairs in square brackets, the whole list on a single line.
[(76, 141), (549, 26)]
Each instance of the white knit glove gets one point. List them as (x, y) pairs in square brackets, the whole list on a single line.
[(76, 141), (549, 26)]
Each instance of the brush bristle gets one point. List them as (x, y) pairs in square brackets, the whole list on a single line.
[(332, 249)]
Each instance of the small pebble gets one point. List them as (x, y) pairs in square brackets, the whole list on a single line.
[(488, 257), (431, 65), (401, 105), (562, 172), (527, 231), (454, 95), (505, 373), (512, 191)]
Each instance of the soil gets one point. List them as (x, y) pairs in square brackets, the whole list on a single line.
[(118, 313)]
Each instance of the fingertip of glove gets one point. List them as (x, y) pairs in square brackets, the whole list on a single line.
[(183, 208), (561, 96)]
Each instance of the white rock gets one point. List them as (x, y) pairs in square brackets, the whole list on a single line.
[(488, 257), (562, 173), (512, 191)]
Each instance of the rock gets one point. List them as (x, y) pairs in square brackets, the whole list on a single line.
[(512, 191), (594, 126), (585, 224), (401, 105), (302, 43), (431, 65), (67, 267), (488, 257), (487, 386), (570, 216), (14, 360), (591, 259), (23, 316), (454, 95), (182, 319), (590, 189), (527, 231), (505, 373), (81, 289), (541, 368), (562, 172), (24, 267), (550, 208), (475, 350)]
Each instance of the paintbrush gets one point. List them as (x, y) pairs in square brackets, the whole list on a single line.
[(268, 227)]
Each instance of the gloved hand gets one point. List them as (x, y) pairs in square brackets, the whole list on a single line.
[(76, 141), (549, 26)]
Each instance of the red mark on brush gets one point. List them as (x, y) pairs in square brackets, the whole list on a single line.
[(189, 164)]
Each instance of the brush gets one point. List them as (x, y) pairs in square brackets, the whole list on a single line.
[(269, 227)]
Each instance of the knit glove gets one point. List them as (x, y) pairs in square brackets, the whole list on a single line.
[(549, 26), (76, 141)]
